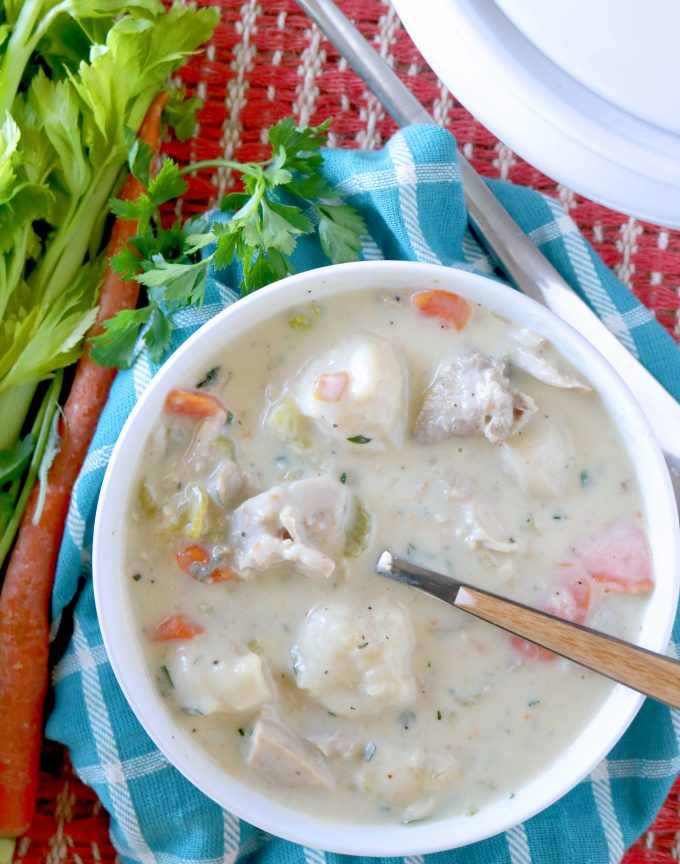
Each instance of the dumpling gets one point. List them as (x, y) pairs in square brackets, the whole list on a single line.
[(302, 523), (541, 457), (471, 394), (357, 388), (408, 780), (356, 659), (207, 678)]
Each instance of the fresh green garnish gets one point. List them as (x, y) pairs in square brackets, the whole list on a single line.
[(343, 478), (359, 439), (585, 478), (258, 230)]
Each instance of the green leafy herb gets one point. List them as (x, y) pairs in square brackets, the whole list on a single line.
[(285, 197), (343, 477), (359, 439)]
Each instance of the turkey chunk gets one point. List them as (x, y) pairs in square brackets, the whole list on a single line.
[(358, 387), (355, 659), (471, 394), (301, 523), (281, 757), (528, 354), (208, 679)]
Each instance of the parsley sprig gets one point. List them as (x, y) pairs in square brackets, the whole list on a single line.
[(284, 197)]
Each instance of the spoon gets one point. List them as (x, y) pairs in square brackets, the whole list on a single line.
[(652, 674)]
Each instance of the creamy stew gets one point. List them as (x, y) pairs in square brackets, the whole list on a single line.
[(415, 422)]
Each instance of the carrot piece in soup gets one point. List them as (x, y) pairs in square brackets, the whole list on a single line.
[(219, 574), (618, 559), (189, 556), (570, 601), (194, 560), (177, 626), (193, 403), (330, 386), (449, 308)]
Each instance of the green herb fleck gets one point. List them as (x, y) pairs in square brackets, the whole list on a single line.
[(137, 576), (534, 702), (439, 715), (209, 378), (585, 478), (472, 811), (359, 439), (343, 477), (559, 515), (362, 645), (167, 677), (230, 418), (241, 732)]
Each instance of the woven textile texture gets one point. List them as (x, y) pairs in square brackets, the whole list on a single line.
[(267, 61)]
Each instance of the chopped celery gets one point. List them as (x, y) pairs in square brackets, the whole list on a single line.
[(223, 446), (359, 533), (148, 505), (197, 507), (285, 421), (304, 320)]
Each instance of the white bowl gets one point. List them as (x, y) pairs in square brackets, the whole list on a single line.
[(123, 643), (586, 92)]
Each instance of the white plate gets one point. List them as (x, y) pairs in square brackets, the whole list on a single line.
[(585, 90)]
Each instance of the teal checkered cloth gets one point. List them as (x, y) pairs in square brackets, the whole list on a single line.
[(411, 198)]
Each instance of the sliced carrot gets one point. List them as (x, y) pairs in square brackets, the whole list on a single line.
[(194, 560), (219, 574), (189, 556), (449, 308), (24, 602), (571, 601), (177, 626), (330, 386), (194, 404), (619, 559)]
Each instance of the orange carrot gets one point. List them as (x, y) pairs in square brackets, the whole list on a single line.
[(330, 386), (193, 403), (24, 602), (570, 601), (177, 626), (618, 559), (449, 308), (189, 556), (193, 560)]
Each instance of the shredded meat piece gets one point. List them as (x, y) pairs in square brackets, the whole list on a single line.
[(471, 394)]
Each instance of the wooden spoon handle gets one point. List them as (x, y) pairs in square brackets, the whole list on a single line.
[(649, 673)]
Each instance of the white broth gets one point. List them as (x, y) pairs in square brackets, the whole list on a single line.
[(267, 491)]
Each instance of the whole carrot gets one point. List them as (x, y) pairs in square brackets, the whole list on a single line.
[(24, 602)]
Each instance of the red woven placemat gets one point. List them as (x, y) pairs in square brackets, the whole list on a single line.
[(267, 61)]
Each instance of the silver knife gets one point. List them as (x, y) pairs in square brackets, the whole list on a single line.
[(523, 264)]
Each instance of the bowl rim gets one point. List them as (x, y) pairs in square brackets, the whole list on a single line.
[(124, 647)]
